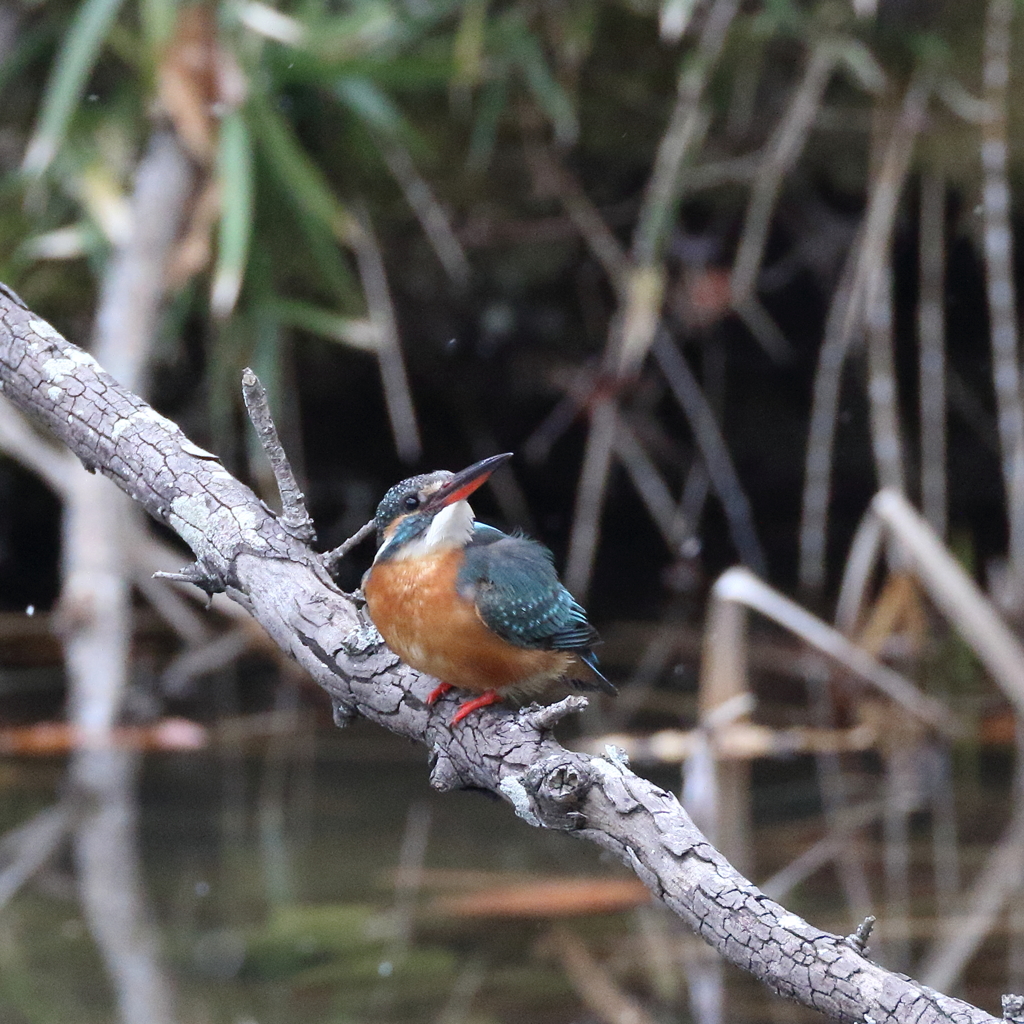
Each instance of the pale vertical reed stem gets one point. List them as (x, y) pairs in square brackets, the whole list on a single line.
[(861, 280), (641, 286), (883, 398), (931, 333), (1002, 298)]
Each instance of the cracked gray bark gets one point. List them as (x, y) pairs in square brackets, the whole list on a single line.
[(241, 548)]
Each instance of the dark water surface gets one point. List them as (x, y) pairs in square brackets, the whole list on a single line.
[(273, 868)]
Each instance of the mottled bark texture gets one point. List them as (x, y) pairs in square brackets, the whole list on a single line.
[(241, 548)]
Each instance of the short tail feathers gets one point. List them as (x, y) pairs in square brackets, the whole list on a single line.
[(599, 682)]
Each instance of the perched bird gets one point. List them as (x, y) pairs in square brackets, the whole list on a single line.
[(474, 607)]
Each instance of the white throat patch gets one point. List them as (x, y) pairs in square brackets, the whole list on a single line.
[(450, 528)]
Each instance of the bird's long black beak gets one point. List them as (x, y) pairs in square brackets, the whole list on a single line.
[(463, 484)]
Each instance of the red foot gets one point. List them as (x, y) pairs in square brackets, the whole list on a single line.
[(485, 698), (438, 692)]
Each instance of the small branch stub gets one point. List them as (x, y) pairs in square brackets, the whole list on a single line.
[(858, 940), (197, 576), (1013, 1008), (342, 714), (444, 773), (544, 717), (294, 516), (558, 786)]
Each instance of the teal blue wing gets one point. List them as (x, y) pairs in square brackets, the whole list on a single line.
[(515, 588)]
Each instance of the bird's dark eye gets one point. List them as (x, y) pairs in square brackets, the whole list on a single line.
[(411, 502)]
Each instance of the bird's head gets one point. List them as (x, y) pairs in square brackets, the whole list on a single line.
[(428, 512)]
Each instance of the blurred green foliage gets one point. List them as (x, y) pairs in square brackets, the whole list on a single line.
[(315, 122)]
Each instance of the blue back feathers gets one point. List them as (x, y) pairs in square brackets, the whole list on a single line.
[(513, 582)]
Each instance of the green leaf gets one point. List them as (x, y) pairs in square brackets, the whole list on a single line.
[(228, 353), (523, 48), (372, 105), (28, 46), (485, 127), (235, 181), (157, 18), (468, 45), (322, 253), (302, 179), (429, 67), (358, 332), (369, 27), (78, 52)]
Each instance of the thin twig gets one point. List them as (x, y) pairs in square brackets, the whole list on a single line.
[(408, 882), (859, 938), (590, 494), (331, 558), (685, 128), (961, 934), (942, 801), (27, 848), (999, 274), (151, 555), (696, 489), (649, 484), (552, 177), (466, 985), (713, 450), (19, 441), (647, 480), (843, 827), (294, 515), (173, 607), (763, 328), (429, 212), (972, 411), (538, 445), (397, 395), (931, 333), (883, 397), (901, 796), (592, 982), (834, 787), (783, 151), (857, 574), (715, 173), (857, 290)]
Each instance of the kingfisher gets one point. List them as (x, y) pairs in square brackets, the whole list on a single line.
[(478, 609)]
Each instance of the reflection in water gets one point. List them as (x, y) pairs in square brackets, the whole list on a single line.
[(316, 877), (111, 888)]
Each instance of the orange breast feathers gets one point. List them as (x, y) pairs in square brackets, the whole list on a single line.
[(416, 607)]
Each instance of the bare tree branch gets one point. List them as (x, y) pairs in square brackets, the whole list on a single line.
[(242, 548)]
